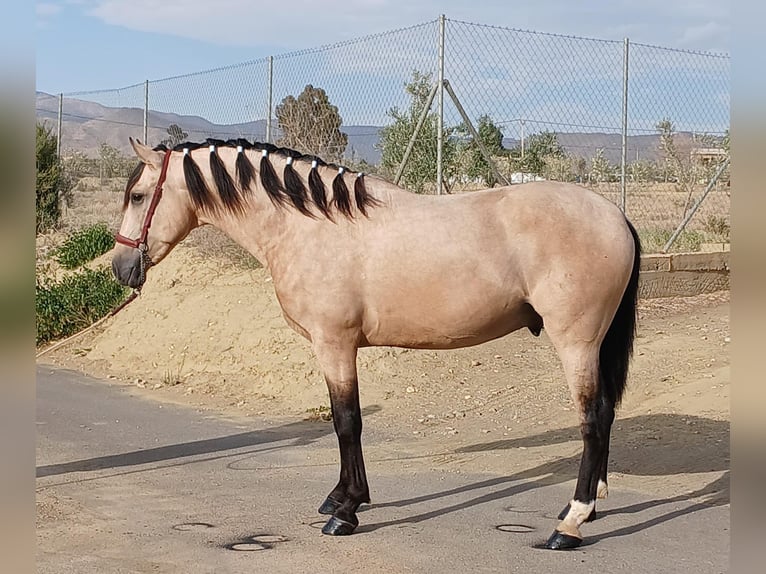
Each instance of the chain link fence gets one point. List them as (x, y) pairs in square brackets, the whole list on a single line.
[(449, 107)]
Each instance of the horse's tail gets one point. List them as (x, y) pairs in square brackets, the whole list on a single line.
[(617, 346)]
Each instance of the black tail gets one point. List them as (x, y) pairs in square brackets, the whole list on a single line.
[(617, 346)]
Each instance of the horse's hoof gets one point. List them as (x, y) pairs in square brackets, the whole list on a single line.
[(591, 517), (337, 527), (329, 506), (561, 541)]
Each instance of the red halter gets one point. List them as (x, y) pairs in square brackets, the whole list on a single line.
[(140, 243)]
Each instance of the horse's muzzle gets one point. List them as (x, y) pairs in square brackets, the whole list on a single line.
[(129, 267)]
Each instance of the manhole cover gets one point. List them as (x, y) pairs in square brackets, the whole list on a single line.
[(192, 526), (255, 543), (515, 528), (246, 547)]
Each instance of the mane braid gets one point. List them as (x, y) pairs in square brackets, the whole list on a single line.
[(245, 171), (291, 189), (295, 189), (132, 181), (270, 182), (196, 185), (226, 189), (341, 195), (362, 197), (318, 193)]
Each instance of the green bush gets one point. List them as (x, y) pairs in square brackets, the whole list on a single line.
[(653, 240), (84, 245), (49, 179), (75, 302)]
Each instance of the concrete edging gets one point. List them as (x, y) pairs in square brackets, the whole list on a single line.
[(683, 274)]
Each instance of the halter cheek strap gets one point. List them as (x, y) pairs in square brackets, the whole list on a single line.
[(140, 243)]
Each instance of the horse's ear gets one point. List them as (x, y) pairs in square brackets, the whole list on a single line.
[(147, 154)]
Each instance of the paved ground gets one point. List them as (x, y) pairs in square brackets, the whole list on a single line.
[(131, 485)]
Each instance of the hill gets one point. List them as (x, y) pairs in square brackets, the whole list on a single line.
[(86, 125)]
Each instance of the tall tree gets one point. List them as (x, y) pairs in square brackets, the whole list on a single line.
[(492, 138), (537, 149), (175, 136), (421, 165), (600, 168), (311, 124)]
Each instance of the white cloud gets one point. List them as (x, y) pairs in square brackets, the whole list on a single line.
[(712, 34), (44, 10), (299, 24), (306, 23)]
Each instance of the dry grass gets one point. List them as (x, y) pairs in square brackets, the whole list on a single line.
[(661, 206), (91, 203)]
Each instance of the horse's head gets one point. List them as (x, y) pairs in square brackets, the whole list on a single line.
[(157, 214)]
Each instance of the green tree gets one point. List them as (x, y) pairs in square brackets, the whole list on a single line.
[(421, 165), (600, 168), (311, 124), (50, 183), (112, 163), (492, 138), (677, 161), (175, 136), (641, 171), (537, 149)]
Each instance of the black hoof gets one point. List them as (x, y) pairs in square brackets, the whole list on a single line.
[(329, 506), (337, 527), (591, 517), (561, 541)]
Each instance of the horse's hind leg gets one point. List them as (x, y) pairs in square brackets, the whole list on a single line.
[(606, 413), (339, 364), (580, 363)]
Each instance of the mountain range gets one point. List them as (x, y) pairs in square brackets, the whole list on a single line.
[(86, 125)]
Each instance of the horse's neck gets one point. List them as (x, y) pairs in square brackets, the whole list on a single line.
[(258, 230), (265, 229)]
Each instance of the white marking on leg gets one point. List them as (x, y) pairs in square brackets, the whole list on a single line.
[(603, 489), (578, 512)]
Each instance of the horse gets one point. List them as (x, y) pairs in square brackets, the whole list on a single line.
[(357, 261)]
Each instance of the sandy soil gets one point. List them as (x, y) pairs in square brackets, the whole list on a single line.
[(208, 334)]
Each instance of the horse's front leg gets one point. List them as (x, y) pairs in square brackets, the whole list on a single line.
[(339, 364)]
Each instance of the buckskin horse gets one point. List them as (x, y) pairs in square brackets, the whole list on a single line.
[(357, 261)]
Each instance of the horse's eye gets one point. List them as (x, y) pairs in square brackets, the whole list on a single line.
[(136, 198)]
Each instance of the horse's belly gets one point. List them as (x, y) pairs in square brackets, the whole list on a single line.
[(417, 328)]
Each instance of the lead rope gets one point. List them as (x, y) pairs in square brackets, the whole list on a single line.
[(132, 297)]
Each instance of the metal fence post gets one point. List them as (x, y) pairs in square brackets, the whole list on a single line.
[(269, 94), (624, 158), (58, 128), (440, 118), (146, 112)]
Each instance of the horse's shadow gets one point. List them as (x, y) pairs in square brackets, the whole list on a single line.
[(645, 445), (299, 433)]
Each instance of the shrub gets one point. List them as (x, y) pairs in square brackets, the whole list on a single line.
[(75, 302), (84, 245), (49, 180), (718, 226), (653, 240)]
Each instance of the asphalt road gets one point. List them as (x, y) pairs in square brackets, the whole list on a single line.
[(127, 484)]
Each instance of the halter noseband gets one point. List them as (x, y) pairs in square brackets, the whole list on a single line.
[(140, 243)]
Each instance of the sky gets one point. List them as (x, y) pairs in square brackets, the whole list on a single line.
[(84, 45)]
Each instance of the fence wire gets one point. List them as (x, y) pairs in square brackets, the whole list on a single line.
[(544, 106)]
